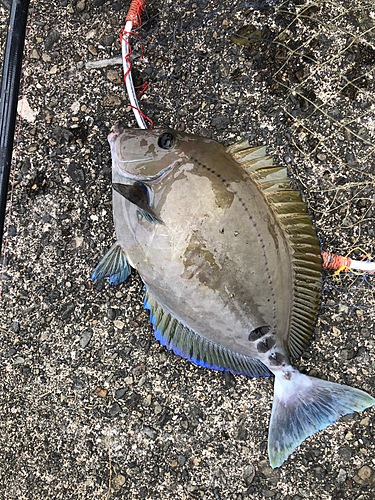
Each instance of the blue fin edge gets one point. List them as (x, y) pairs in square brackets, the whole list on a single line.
[(114, 265), (190, 345)]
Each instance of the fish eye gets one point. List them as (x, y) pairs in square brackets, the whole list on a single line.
[(166, 141)]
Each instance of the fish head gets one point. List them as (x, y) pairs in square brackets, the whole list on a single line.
[(144, 155)]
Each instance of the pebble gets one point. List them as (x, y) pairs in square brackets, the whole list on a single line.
[(118, 482), (111, 100), (365, 476), (34, 55), (341, 476), (181, 460), (113, 76), (149, 432), (111, 313), (248, 474), (345, 452), (75, 107), (114, 410), (107, 40), (92, 50), (52, 37), (77, 174), (102, 393), (10, 353), (16, 327), (120, 393), (85, 338), (81, 5), (119, 324)]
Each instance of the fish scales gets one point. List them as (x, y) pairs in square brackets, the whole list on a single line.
[(231, 265)]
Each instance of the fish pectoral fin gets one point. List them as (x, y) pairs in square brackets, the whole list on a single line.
[(138, 195), (114, 265), (303, 405)]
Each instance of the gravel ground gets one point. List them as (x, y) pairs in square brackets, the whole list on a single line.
[(91, 405)]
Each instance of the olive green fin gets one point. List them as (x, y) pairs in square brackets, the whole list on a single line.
[(190, 345), (290, 212)]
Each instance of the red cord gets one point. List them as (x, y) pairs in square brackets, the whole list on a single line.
[(134, 12), (336, 262)]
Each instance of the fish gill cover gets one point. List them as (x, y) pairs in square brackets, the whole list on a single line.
[(302, 83)]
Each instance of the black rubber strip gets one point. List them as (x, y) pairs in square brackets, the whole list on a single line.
[(9, 96)]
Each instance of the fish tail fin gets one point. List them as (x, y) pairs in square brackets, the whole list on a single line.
[(114, 265), (303, 405)]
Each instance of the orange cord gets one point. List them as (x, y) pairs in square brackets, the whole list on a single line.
[(336, 262), (134, 15)]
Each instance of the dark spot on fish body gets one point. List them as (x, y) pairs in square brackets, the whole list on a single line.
[(276, 359), (259, 332), (266, 344)]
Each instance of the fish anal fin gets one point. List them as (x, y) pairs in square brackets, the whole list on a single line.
[(188, 344), (303, 405), (114, 265)]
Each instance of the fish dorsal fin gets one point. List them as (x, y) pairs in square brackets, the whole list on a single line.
[(290, 212), (188, 344)]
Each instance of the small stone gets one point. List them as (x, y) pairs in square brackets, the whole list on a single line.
[(111, 313), (85, 338), (119, 324), (365, 476), (147, 401), (81, 5), (248, 474), (365, 421), (34, 55), (113, 76), (348, 354), (341, 476), (157, 408), (345, 452), (52, 37), (75, 107), (107, 40), (129, 380), (111, 100), (181, 460), (102, 393), (93, 50), (149, 432), (53, 70), (118, 482), (16, 327), (321, 157), (78, 385), (114, 410), (120, 393), (19, 360), (10, 353), (196, 461)]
